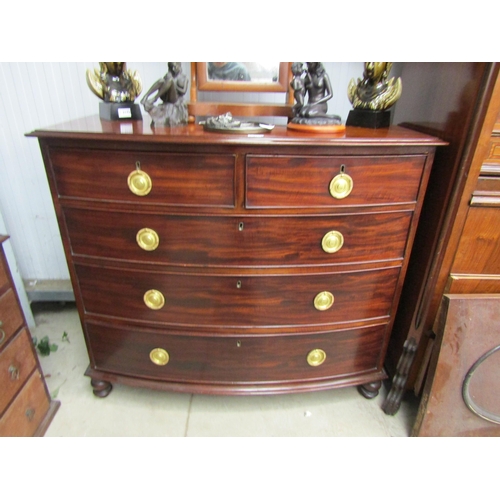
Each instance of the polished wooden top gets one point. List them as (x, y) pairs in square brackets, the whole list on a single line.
[(141, 131)]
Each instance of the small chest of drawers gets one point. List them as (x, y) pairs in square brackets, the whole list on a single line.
[(224, 264), (25, 405)]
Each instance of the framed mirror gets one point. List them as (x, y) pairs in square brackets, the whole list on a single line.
[(240, 77)]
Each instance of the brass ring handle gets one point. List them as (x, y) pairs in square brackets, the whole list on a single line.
[(332, 241), (341, 186), (323, 301), (154, 299), (159, 356), (14, 372), (2, 335), (316, 357), (147, 239), (139, 182)]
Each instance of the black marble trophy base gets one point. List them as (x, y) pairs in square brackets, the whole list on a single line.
[(119, 111), (368, 119)]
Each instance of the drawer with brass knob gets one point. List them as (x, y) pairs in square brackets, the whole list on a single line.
[(28, 410), (213, 358), (16, 364), (230, 300), (146, 178), (239, 241), (330, 181)]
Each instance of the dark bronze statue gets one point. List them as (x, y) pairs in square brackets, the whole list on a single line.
[(374, 91), (170, 90), (114, 83), (312, 81)]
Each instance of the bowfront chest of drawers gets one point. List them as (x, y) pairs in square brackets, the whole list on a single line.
[(25, 405), (231, 264)]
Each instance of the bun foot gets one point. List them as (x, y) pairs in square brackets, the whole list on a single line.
[(370, 391), (101, 388)]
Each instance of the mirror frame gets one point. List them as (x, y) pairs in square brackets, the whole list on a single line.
[(204, 84)]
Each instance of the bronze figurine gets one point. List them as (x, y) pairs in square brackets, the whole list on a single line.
[(374, 91), (313, 81), (172, 110)]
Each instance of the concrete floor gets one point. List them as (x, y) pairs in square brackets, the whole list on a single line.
[(135, 412)]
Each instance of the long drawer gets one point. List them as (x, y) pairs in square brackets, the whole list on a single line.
[(215, 359), (233, 300), (238, 241), (308, 181), (148, 178)]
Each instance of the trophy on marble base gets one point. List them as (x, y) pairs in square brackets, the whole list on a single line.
[(117, 88), (372, 96)]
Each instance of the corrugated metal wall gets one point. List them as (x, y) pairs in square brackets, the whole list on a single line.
[(34, 95)]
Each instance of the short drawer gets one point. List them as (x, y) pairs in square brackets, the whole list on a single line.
[(487, 192), (27, 411), (232, 300), (238, 241), (16, 364), (11, 316), (153, 178), (233, 359), (494, 151), (309, 181), (488, 185)]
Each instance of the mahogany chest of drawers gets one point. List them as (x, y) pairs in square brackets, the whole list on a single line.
[(231, 264), (25, 405)]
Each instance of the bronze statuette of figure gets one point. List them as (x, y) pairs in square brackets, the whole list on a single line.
[(171, 110), (311, 80)]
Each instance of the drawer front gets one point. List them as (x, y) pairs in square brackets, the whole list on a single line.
[(287, 181), (25, 414), (479, 250), (488, 185), (233, 359), (16, 363), (11, 316), (4, 278), (186, 180), (244, 241), (494, 151), (279, 300)]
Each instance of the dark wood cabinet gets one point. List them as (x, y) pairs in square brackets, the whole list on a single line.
[(232, 264), (457, 247), (25, 405)]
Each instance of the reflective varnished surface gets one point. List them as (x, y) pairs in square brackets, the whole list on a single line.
[(142, 131)]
